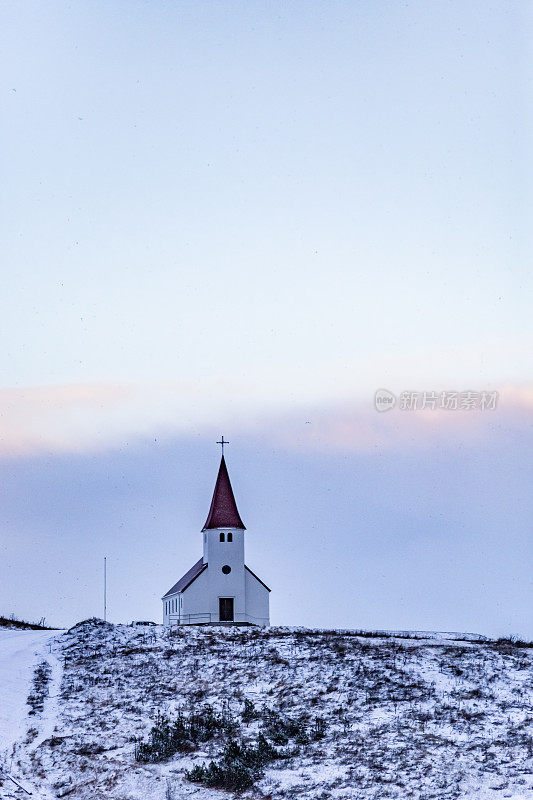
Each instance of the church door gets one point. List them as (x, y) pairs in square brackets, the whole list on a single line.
[(225, 607)]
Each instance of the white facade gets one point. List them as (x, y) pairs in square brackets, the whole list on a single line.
[(181, 605), (257, 599), (220, 588)]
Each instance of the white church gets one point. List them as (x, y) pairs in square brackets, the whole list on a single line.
[(219, 588)]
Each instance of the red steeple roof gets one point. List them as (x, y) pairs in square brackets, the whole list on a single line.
[(223, 512)]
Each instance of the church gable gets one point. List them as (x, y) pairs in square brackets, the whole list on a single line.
[(257, 579)]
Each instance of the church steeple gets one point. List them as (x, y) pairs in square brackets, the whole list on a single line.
[(223, 512)]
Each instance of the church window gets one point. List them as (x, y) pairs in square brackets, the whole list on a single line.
[(221, 537), (226, 569), (230, 537)]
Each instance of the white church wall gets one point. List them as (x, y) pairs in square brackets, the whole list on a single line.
[(195, 607), (257, 600), (220, 553), (170, 608), (229, 554)]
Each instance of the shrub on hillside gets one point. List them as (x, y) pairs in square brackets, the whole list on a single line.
[(41, 679), (182, 734), (281, 728), (239, 766), (250, 712)]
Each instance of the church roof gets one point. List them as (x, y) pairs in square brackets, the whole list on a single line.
[(223, 512), (188, 578)]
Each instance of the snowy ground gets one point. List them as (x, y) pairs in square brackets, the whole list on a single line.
[(20, 651), (403, 718)]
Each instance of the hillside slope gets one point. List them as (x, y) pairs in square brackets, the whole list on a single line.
[(371, 718)]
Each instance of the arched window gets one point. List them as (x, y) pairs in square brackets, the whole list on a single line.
[(221, 537), (230, 537)]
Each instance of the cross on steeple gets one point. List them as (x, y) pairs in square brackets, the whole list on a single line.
[(223, 442)]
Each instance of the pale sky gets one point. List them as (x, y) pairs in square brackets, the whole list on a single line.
[(244, 218)]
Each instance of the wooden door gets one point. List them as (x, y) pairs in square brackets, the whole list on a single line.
[(225, 607)]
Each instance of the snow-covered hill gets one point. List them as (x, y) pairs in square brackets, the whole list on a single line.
[(353, 717)]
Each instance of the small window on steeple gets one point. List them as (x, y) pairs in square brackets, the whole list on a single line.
[(221, 537), (230, 537)]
